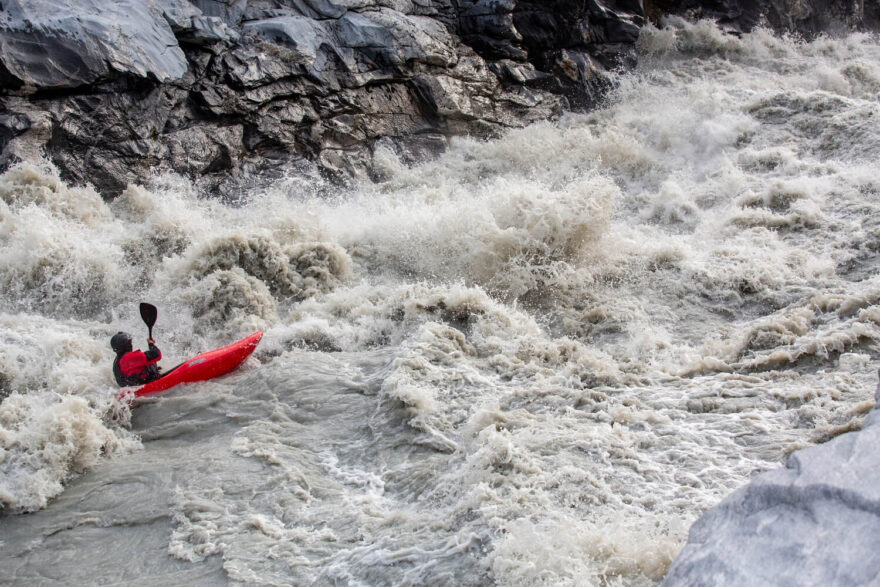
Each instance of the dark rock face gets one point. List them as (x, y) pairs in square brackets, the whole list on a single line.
[(219, 90), (569, 44), (226, 90)]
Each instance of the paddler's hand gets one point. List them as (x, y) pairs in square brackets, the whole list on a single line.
[(151, 341)]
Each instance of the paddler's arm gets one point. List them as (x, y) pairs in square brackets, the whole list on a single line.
[(153, 354)]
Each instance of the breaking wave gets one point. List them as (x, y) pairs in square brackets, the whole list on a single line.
[(533, 360)]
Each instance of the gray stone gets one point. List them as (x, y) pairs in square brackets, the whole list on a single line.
[(518, 73), (304, 36), (70, 43), (230, 11), (211, 149), (255, 65), (12, 124), (190, 25), (314, 79), (222, 90), (416, 39), (814, 522)]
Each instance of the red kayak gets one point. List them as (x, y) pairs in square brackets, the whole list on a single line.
[(202, 367)]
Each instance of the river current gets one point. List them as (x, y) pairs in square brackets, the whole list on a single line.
[(534, 360)]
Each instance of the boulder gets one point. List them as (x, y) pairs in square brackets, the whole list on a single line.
[(813, 522), (71, 43)]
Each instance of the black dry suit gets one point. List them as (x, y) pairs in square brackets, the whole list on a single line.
[(134, 367)]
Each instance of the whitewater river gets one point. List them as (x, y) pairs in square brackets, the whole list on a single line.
[(532, 361)]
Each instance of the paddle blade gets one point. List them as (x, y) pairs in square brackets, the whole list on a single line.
[(149, 314)]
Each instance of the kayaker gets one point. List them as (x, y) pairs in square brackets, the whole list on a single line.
[(134, 367)]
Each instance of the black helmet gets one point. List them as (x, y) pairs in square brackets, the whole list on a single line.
[(121, 343)]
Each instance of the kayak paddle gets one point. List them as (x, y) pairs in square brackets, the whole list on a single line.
[(149, 313)]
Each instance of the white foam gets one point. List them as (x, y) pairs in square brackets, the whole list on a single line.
[(534, 359), (45, 439)]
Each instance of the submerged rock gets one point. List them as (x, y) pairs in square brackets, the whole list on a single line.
[(813, 522)]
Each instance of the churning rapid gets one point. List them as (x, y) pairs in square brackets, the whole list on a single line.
[(535, 360)]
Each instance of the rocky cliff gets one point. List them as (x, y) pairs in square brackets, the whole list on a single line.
[(227, 91)]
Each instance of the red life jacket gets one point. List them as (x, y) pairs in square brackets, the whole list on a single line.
[(137, 367)]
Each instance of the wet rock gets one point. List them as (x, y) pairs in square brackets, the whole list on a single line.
[(249, 87), (71, 43), (191, 26), (230, 11), (813, 522), (12, 124), (571, 45), (222, 91)]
